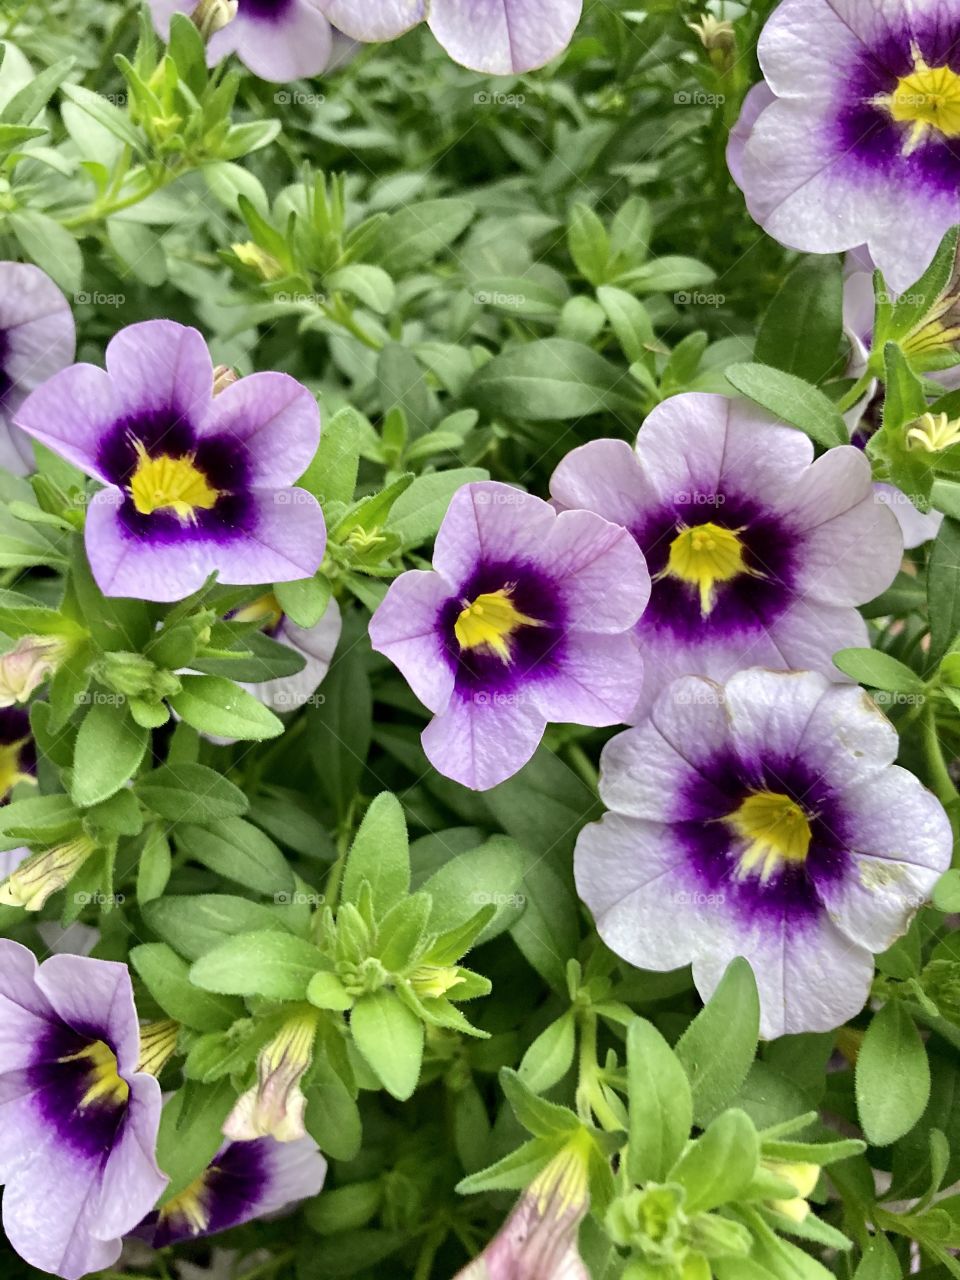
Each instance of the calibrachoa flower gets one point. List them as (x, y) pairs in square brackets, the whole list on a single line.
[(195, 483), (758, 553), (37, 338), (498, 37), (244, 1180), (78, 1120), (538, 1241), (524, 619), (861, 144), (763, 818), (279, 40), (316, 645)]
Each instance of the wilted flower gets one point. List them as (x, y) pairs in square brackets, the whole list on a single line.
[(44, 873), (244, 1180), (37, 338), (860, 142), (764, 819), (275, 1106), (79, 1119), (500, 39), (757, 552), (279, 40), (538, 1241), (525, 618), (27, 665), (196, 484)]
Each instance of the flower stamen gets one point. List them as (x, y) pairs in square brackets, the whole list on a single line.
[(489, 622)]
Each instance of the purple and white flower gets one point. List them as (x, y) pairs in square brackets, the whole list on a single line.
[(758, 554), (278, 40), (194, 483), (78, 1120), (37, 339), (244, 1180), (499, 37), (763, 818), (861, 142), (525, 618)]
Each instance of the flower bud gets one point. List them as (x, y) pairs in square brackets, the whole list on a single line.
[(43, 873), (265, 264), (933, 432), (803, 1177), (223, 377), (433, 981), (27, 665), (275, 1105), (213, 15)]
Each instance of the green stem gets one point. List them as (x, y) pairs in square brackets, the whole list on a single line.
[(940, 780), (855, 392)]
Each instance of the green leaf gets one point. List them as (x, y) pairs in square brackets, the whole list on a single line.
[(108, 751), (153, 870), (717, 1048), (276, 965), (946, 892), (190, 793), (190, 1131), (326, 991), (390, 1038), (892, 1076), (661, 1104), (50, 246), (379, 855), (629, 320), (216, 705), (800, 332), (417, 514), (414, 235), (720, 1165), (943, 589), (195, 925), (588, 243), (106, 114), (489, 875), (549, 379), (550, 1056), (241, 852), (332, 1118), (878, 670), (792, 400), (27, 103), (339, 728), (166, 977), (537, 1115), (370, 285)]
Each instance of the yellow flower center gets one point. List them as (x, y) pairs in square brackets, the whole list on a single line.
[(190, 1204), (175, 483), (489, 623), (926, 98), (10, 771), (105, 1084), (776, 830), (704, 555)]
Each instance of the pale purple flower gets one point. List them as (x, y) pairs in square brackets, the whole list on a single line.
[(278, 40), (524, 619), (499, 37), (766, 819), (758, 554), (78, 1120), (316, 645), (194, 483), (245, 1180), (37, 338), (861, 144)]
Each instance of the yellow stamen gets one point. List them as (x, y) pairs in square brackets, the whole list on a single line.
[(777, 831), (190, 1205), (933, 432), (928, 99), (265, 610), (489, 622), (704, 555), (106, 1085), (165, 482), (10, 771)]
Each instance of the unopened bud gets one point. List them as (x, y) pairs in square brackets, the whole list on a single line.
[(27, 665), (933, 432), (43, 873), (257, 259), (213, 15)]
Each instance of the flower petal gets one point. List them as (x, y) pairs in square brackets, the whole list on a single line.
[(482, 739), (500, 37), (159, 366), (71, 413), (275, 418), (603, 575), (487, 521), (405, 628), (292, 45)]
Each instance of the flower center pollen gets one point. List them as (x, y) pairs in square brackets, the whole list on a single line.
[(928, 98), (489, 622), (164, 482), (704, 555), (777, 832), (104, 1083)]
